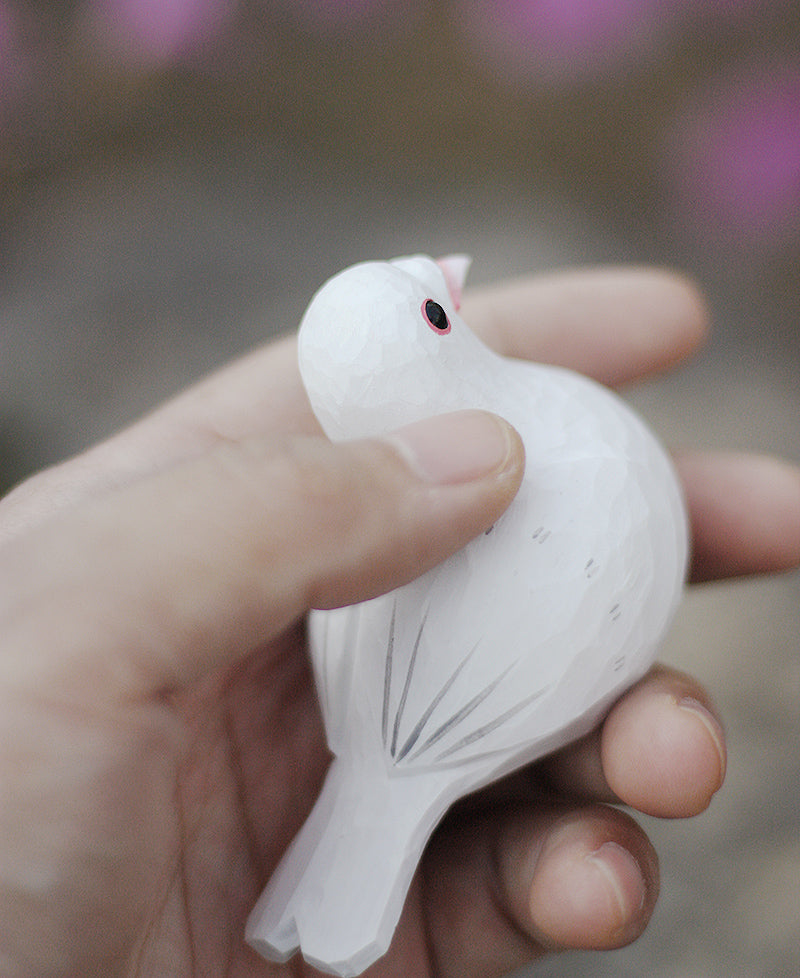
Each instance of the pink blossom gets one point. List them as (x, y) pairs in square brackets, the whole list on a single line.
[(346, 14), (17, 62), (735, 157), (158, 31), (8, 46), (722, 10), (565, 40), (6, 28)]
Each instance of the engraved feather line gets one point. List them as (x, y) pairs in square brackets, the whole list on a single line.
[(407, 685), (415, 733), (491, 727), (453, 721), (387, 676), (460, 715)]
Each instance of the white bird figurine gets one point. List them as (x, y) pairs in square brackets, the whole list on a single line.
[(511, 648)]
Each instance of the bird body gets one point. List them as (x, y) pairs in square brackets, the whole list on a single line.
[(509, 649)]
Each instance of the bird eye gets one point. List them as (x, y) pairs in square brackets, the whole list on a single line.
[(435, 316)]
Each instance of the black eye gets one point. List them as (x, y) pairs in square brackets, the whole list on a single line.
[(436, 316)]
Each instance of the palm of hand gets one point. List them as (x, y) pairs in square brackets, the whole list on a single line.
[(148, 813), (247, 761), (229, 772), (171, 812)]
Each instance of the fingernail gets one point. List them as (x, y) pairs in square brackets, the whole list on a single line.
[(712, 726), (450, 449), (622, 873)]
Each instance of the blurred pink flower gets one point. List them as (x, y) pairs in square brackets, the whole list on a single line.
[(734, 158), (7, 38), (725, 9), (8, 54), (23, 54), (566, 40), (157, 31), (6, 28), (345, 14)]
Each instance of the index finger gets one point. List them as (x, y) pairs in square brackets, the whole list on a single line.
[(612, 324), (615, 325)]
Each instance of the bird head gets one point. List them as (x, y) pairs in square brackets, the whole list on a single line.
[(381, 345)]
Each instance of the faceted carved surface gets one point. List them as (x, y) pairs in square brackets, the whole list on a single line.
[(508, 650)]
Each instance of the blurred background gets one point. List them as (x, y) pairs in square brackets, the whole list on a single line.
[(179, 175)]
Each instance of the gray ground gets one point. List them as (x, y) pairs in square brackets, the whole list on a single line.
[(125, 278)]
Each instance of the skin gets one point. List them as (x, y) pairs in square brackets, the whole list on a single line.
[(160, 732)]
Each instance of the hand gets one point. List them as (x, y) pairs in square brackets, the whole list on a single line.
[(161, 742)]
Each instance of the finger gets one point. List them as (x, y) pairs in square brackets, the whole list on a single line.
[(744, 512), (259, 395), (191, 568), (616, 325), (661, 750), (501, 892), (612, 324)]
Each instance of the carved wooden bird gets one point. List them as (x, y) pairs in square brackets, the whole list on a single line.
[(506, 651)]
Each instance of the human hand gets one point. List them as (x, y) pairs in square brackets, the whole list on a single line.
[(160, 730)]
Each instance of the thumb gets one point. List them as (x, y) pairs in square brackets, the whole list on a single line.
[(153, 584)]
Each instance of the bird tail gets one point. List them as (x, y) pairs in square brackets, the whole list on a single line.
[(338, 893)]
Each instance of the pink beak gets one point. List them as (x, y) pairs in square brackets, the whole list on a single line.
[(455, 268)]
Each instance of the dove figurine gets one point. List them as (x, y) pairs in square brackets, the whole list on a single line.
[(511, 648)]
